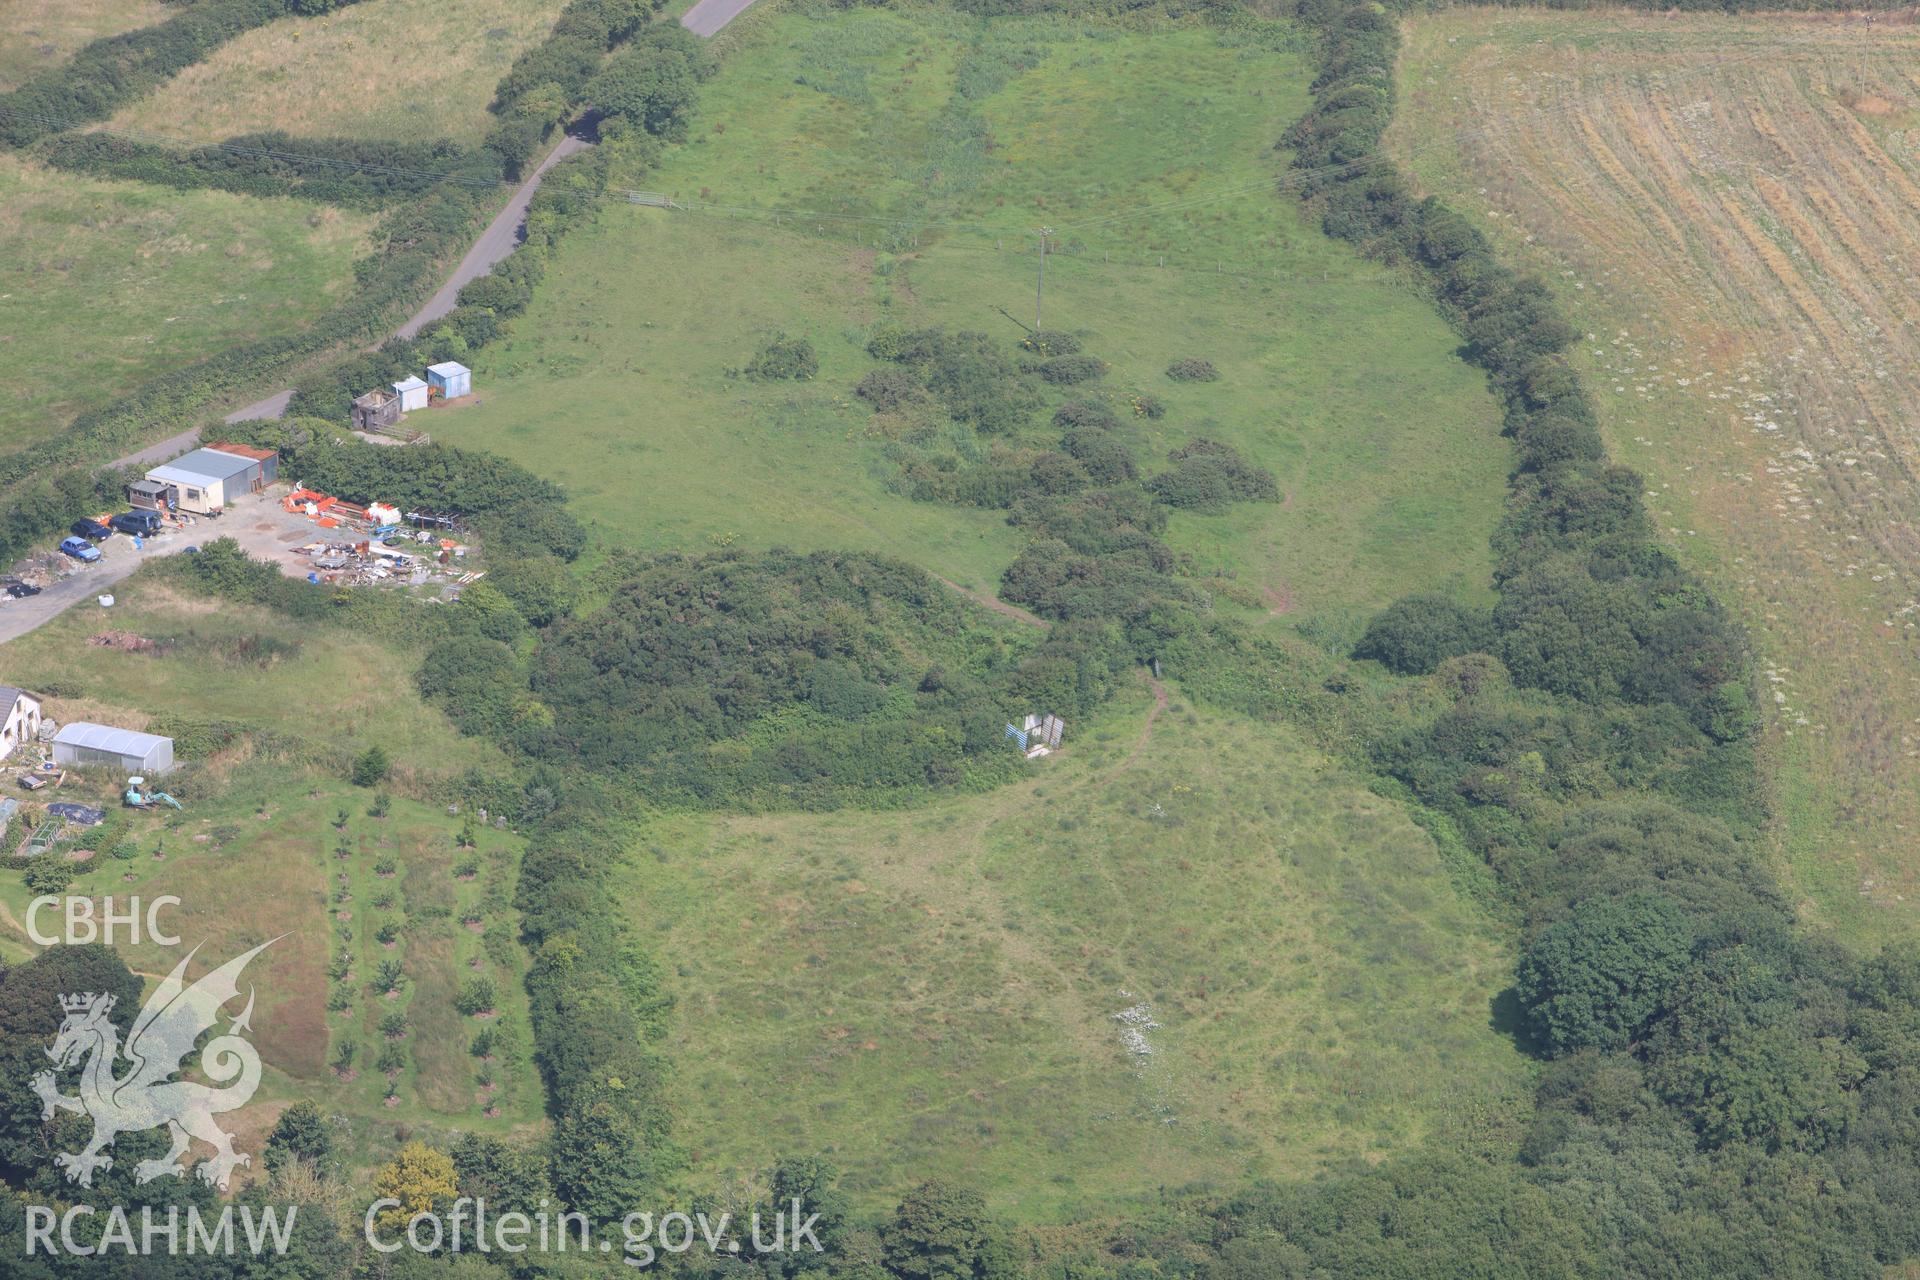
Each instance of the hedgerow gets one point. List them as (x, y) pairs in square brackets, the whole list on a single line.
[(345, 171)]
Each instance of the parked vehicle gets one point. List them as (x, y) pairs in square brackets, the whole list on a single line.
[(143, 524), (92, 529), (80, 549), (21, 590)]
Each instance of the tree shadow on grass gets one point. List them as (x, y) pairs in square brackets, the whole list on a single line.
[(1508, 1016)]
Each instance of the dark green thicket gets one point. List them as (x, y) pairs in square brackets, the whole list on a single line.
[(547, 85), (598, 1004), (794, 680)]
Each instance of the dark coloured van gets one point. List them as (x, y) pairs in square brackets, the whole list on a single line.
[(139, 523)]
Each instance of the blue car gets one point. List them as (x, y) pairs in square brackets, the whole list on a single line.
[(80, 549)]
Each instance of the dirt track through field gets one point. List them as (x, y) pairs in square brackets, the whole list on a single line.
[(1731, 207)]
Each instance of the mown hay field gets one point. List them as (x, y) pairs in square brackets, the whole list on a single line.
[(405, 69), (39, 35), (1189, 950), (1730, 207), (104, 285)]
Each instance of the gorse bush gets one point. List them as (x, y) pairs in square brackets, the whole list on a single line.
[(1071, 370), (1208, 476), (890, 390), (784, 357), (1192, 370), (1051, 342)]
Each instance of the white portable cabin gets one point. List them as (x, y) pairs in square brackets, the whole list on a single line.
[(451, 379), (412, 393)]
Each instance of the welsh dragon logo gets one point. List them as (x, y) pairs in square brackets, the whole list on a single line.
[(146, 1096)]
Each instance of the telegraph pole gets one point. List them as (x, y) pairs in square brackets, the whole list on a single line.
[(1040, 288)]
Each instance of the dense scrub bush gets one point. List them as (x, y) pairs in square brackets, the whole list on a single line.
[(1107, 461), (728, 679), (1209, 475), (784, 357), (1597, 978), (1415, 635), (1067, 371), (480, 683), (1192, 369), (890, 390), (967, 372)]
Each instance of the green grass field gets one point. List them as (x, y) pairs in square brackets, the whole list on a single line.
[(412, 69), (618, 384), (334, 692), (104, 285), (39, 35), (946, 992)]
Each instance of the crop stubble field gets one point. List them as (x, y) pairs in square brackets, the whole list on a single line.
[(1731, 209)]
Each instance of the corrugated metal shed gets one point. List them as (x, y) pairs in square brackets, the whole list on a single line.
[(413, 394), (202, 468), (451, 378)]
